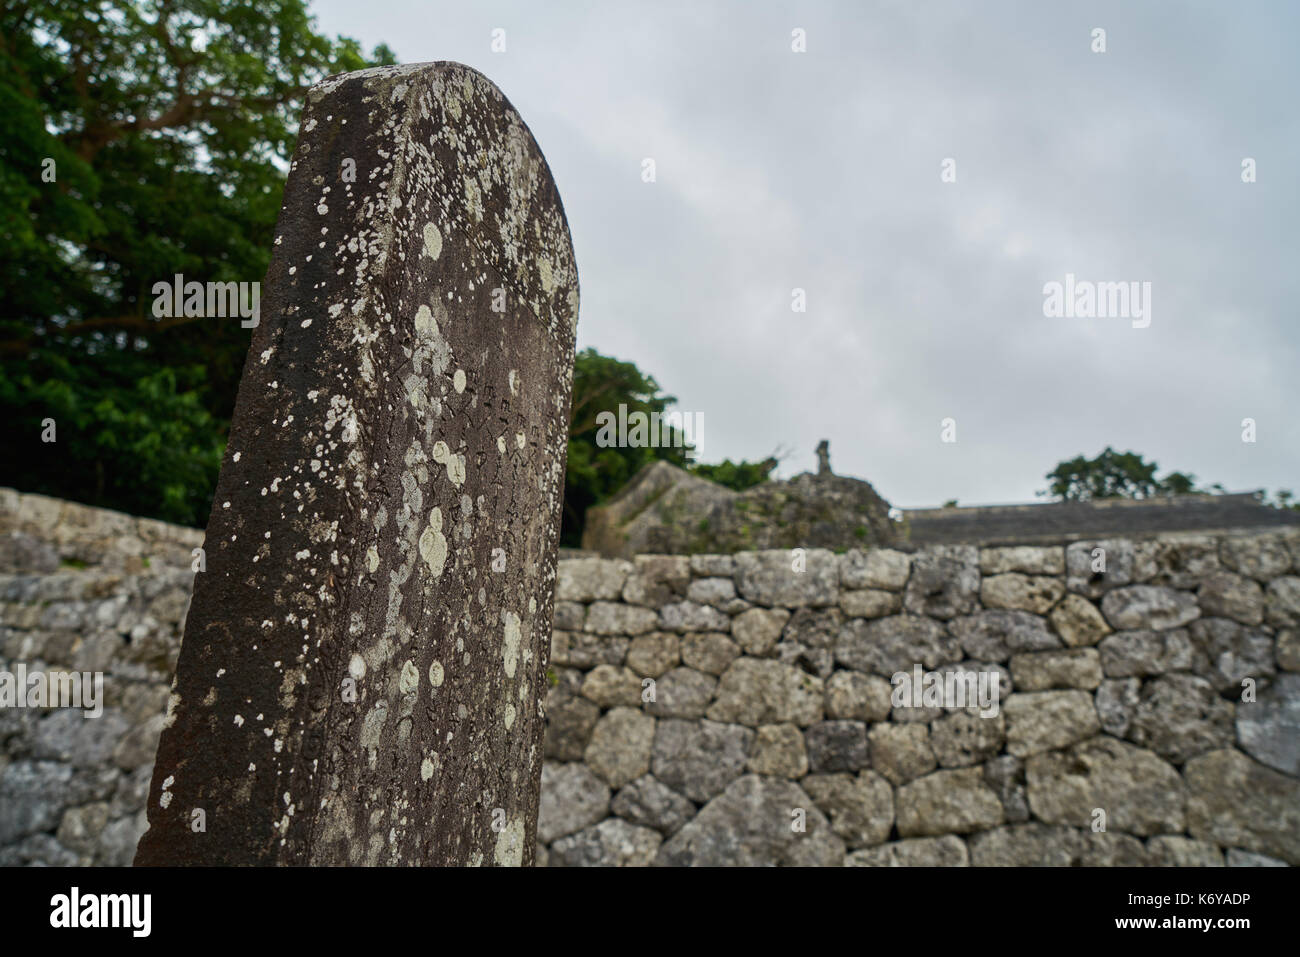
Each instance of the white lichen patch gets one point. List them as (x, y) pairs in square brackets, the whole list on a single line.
[(340, 413), (510, 646), (173, 703), (509, 851), (371, 729), (473, 199), (426, 769), (509, 716), (454, 462), (458, 380), (372, 559), (357, 667), (410, 679), (456, 470), (433, 544), (436, 674), (432, 241)]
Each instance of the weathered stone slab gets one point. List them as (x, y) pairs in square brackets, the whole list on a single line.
[(810, 579), (901, 752), (611, 843), (1236, 802), (1036, 594), (749, 824), (1232, 596), (1130, 654), (365, 653), (1045, 720), (699, 758), (1179, 716), (947, 802), (996, 634), (963, 739), (779, 751), (1269, 728), (1043, 670), (1261, 557), (946, 851), (1148, 606), (1140, 793), (881, 568), (1078, 621), (758, 691), (650, 803), (836, 746), (620, 746), (861, 807), (572, 798), (1023, 558), (886, 646), (1170, 850), (945, 581)]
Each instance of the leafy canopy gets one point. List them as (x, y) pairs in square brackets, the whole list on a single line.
[(1115, 475), (138, 140)]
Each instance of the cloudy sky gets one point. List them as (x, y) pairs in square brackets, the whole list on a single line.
[(821, 170)]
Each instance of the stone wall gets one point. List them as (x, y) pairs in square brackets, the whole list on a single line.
[(85, 589), (735, 710)]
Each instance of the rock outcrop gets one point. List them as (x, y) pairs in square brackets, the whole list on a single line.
[(667, 510)]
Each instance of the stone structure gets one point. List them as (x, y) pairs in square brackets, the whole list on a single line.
[(1121, 692), (363, 664), (665, 510), (1067, 521), (824, 457)]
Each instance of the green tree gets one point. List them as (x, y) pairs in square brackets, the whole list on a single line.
[(1283, 498), (737, 475), (1114, 474), (138, 139), (595, 473)]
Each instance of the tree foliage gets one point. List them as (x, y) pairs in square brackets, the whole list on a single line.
[(597, 472), (737, 475), (138, 140), (1114, 474), (594, 474)]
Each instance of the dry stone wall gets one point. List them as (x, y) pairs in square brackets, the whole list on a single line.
[(735, 710)]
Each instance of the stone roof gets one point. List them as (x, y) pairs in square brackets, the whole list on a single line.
[(1072, 521)]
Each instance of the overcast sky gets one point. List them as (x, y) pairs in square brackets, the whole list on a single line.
[(821, 170)]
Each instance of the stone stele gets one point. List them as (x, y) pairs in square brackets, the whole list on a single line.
[(364, 659)]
